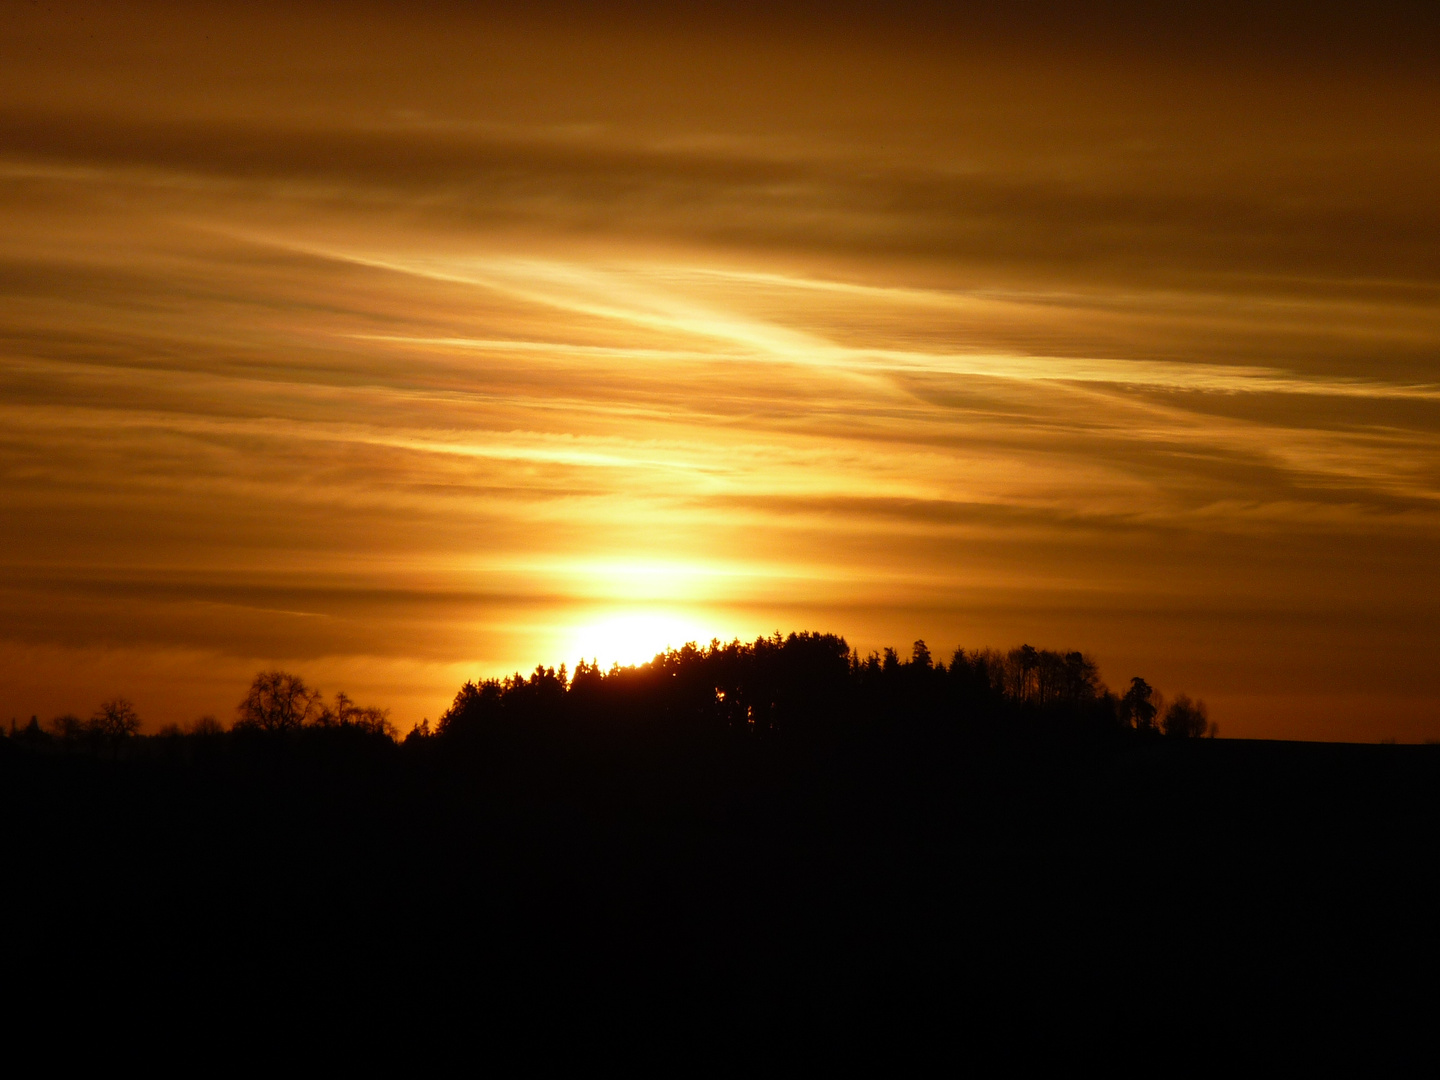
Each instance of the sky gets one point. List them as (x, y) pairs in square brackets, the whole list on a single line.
[(396, 345)]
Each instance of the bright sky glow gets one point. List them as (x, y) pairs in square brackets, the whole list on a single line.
[(633, 637), (400, 350)]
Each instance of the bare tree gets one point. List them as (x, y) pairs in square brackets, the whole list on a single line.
[(115, 719), (1020, 665), (345, 713), (278, 701)]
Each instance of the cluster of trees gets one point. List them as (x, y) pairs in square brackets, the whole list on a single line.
[(276, 702), (114, 721), (807, 682)]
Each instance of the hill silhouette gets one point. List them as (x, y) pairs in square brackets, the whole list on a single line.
[(807, 686)]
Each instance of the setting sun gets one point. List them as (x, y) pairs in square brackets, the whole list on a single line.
[(635, 637)]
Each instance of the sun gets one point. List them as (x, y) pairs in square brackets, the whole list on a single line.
[(634, 637)]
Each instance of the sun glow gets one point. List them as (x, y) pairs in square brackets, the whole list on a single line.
[(635, 637)]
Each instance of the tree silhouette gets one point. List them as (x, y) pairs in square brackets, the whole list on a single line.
[(206, 727), (68, 727), (278, 701), (115, 719), (920, 654), (1023, 677), (1137, 707), (344, 713), (1186, 719)]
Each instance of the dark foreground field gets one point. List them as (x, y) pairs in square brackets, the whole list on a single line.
[(768, 886)]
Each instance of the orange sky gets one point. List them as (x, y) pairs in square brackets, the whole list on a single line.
[(400, 345)]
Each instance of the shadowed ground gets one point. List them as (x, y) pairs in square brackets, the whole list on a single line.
[(714, 881)]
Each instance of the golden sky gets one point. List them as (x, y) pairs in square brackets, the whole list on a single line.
[(397, 345)]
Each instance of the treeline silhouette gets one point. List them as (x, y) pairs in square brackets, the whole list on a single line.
[(277, 704), (796, 687), (810, 684)]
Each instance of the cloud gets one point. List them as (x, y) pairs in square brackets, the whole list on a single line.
[(310, 357)]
